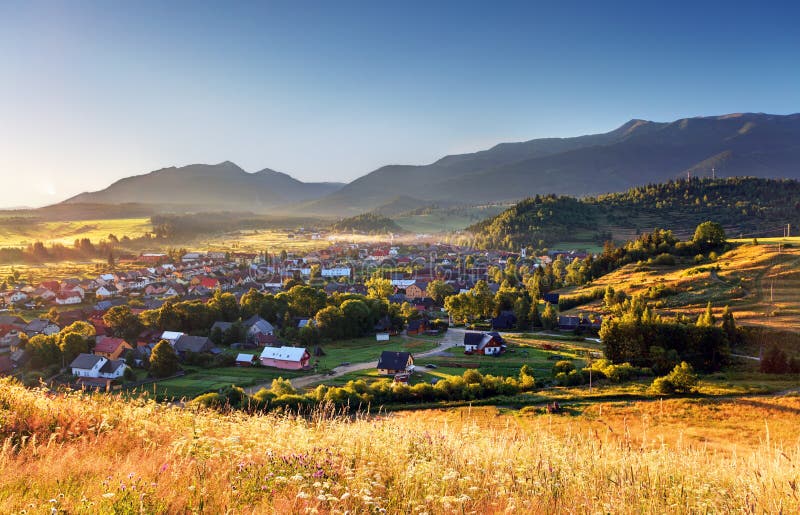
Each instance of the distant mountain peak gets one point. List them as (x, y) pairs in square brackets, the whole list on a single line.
[(208, 187)]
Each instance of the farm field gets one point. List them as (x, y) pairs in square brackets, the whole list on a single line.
[(198, 381), (760, 283), (367, 349), (21, 234)]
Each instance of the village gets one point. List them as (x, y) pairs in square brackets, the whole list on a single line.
[(405, 288)]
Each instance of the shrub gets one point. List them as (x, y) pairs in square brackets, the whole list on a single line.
[(662, 385), (664, 260), (563, 366), (682, 379), (572, 378), (208, 400)]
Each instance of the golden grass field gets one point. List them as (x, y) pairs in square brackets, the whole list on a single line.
[(80, 454), (760, 283), (21, 235)]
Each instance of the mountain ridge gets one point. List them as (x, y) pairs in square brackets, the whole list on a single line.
[(636, 153), (219, 186)]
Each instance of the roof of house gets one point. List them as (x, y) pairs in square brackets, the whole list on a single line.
[(112, 366), (11, 320), (171, 335), (256, 320), (188, 343), (6, 365), (86, 361), (222, 326), (284, 353), (38, 325), (414, 325), (244, 357), (108, 344), (472, 338), (392, 360)]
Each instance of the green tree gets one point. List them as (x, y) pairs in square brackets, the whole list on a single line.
[(123, 323), (250, 303), (522, 310), (163, 360), (549, 317), (535, 316), (43, 351), (682, 379), (330, 322), (305, 301), (729, 326), (707, 318), (482, 299), (438, 290), (226, 305), (378, 287), (709, 235), (72, 344), (168, 318)]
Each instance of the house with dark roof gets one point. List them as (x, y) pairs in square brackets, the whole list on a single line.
[(6, 365), (186, 344), (504, 321), (392, 362), (93, 366), (490, 344), (41, 326), (255, 325), (418, 326)]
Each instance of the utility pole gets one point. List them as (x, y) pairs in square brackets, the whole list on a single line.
[(713, 173)]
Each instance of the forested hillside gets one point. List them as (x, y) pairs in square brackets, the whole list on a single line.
[(745, 206), (369, 223)]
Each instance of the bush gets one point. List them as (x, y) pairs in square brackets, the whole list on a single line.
[(662, 385), (32, 378), (563, 366), (572, 378), (208, 400), (664, 260), (682, 379)]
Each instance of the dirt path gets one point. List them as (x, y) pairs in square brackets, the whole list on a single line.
[(453, 337)]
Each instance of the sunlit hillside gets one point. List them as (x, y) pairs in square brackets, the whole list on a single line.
[(760, 283), (21, 233), (76, 454)]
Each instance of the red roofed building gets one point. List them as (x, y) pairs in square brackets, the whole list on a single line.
[(210, 283), (111, 348)]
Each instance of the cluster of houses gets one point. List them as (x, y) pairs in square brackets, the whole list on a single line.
[(152, 278), (11, 328)]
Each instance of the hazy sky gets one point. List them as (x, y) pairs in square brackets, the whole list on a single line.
[(94, 91)]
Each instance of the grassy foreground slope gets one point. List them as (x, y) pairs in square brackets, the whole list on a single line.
[(84, 454)]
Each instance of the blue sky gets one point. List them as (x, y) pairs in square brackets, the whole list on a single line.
[(94, 91)]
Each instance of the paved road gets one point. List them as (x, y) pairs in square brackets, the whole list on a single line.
[(453, 337), (754, 358)]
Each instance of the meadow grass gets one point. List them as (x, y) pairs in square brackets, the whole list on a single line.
[(198, 381), (78, 453), (66, 232)]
